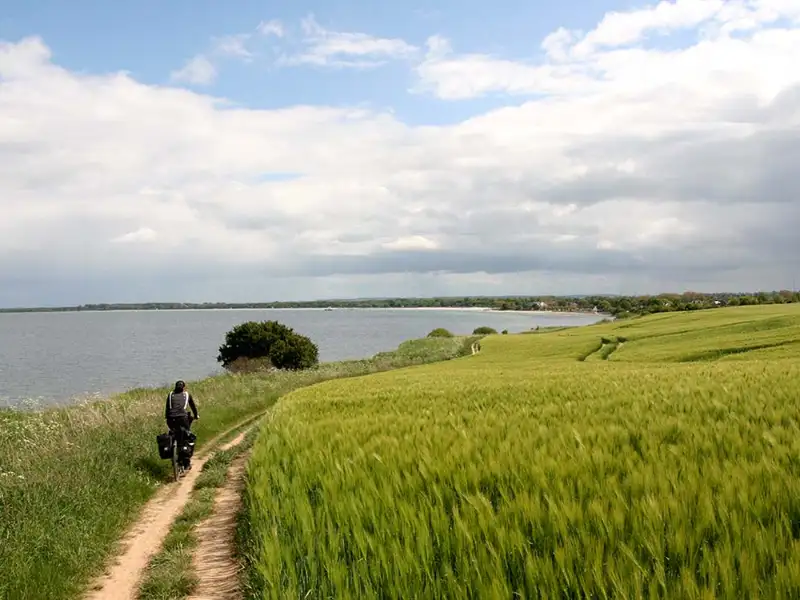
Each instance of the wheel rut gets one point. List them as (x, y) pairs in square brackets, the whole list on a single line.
[(144, 539), (214, 561)]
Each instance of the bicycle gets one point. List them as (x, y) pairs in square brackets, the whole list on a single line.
[(177, 468), (175, 452)]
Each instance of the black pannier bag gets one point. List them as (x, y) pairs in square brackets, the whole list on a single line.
[(187, 450), (164, 441)]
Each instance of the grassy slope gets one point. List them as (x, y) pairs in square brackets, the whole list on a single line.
[(670, 469), (72, 480)]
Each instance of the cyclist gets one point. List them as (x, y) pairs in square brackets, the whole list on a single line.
[(177, 415)]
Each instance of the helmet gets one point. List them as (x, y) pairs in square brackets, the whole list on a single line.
[(179, 385)]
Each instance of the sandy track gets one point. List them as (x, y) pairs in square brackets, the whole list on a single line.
[(215, 566), (235, 441), (143, 541)]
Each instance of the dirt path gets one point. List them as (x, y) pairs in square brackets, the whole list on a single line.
[(143, 541), (235, 441), (214, 563)]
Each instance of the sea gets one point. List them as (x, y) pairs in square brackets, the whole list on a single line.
[(58, 358)]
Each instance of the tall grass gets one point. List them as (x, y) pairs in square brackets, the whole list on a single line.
[(527, 472), (72, 480)]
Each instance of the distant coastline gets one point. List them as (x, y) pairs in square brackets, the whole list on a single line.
[(617, 306), (482, 309), (472, 309), (477, 304), (488, 305)]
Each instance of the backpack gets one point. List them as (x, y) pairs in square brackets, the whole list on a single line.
[(185, 399)]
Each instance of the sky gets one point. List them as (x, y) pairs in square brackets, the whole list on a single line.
[(257, 151)]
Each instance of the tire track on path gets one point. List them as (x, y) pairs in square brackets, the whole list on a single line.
[(144, 539), (214, 561)]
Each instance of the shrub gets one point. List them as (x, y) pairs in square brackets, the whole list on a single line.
[(504, 332), (284, 348), (244, 365), (440, 332), (484, 331)]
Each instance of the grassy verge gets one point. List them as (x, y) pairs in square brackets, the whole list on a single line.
[(170, 575), (528, 472), (73, 479)]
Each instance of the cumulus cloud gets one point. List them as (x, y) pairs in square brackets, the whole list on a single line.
[(451, 76), (621, 168), (621, 28), (606, 60)]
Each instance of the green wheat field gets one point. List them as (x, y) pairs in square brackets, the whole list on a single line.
[(657, 457)]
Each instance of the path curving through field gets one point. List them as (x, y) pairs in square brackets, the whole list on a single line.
[(146, 536)]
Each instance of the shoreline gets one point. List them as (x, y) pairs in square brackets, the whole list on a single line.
[(570, 313), (42, 404), (306, 308), (35, 403)]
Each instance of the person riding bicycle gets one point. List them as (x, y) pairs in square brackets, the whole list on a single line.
[(177, 415)]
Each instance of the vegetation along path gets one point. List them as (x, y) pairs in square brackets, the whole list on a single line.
[(146, 536)]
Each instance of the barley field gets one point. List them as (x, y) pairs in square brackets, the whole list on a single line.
[(652, 458)]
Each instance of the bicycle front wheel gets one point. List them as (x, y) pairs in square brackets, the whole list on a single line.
[(175, 465)]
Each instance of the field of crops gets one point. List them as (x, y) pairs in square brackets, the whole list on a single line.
[(656, 458)]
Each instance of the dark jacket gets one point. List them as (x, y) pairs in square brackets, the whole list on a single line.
[(177, 403)]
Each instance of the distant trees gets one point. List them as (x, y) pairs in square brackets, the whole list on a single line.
[(618, 306), (270, 341)]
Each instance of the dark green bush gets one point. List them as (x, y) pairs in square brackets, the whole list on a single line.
[(504, 332), (271, 340), (440, 332), (484, 331)]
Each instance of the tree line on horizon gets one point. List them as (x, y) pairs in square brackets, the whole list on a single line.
[(617, 306)]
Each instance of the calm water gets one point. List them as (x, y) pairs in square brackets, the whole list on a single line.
[(52, 357)]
